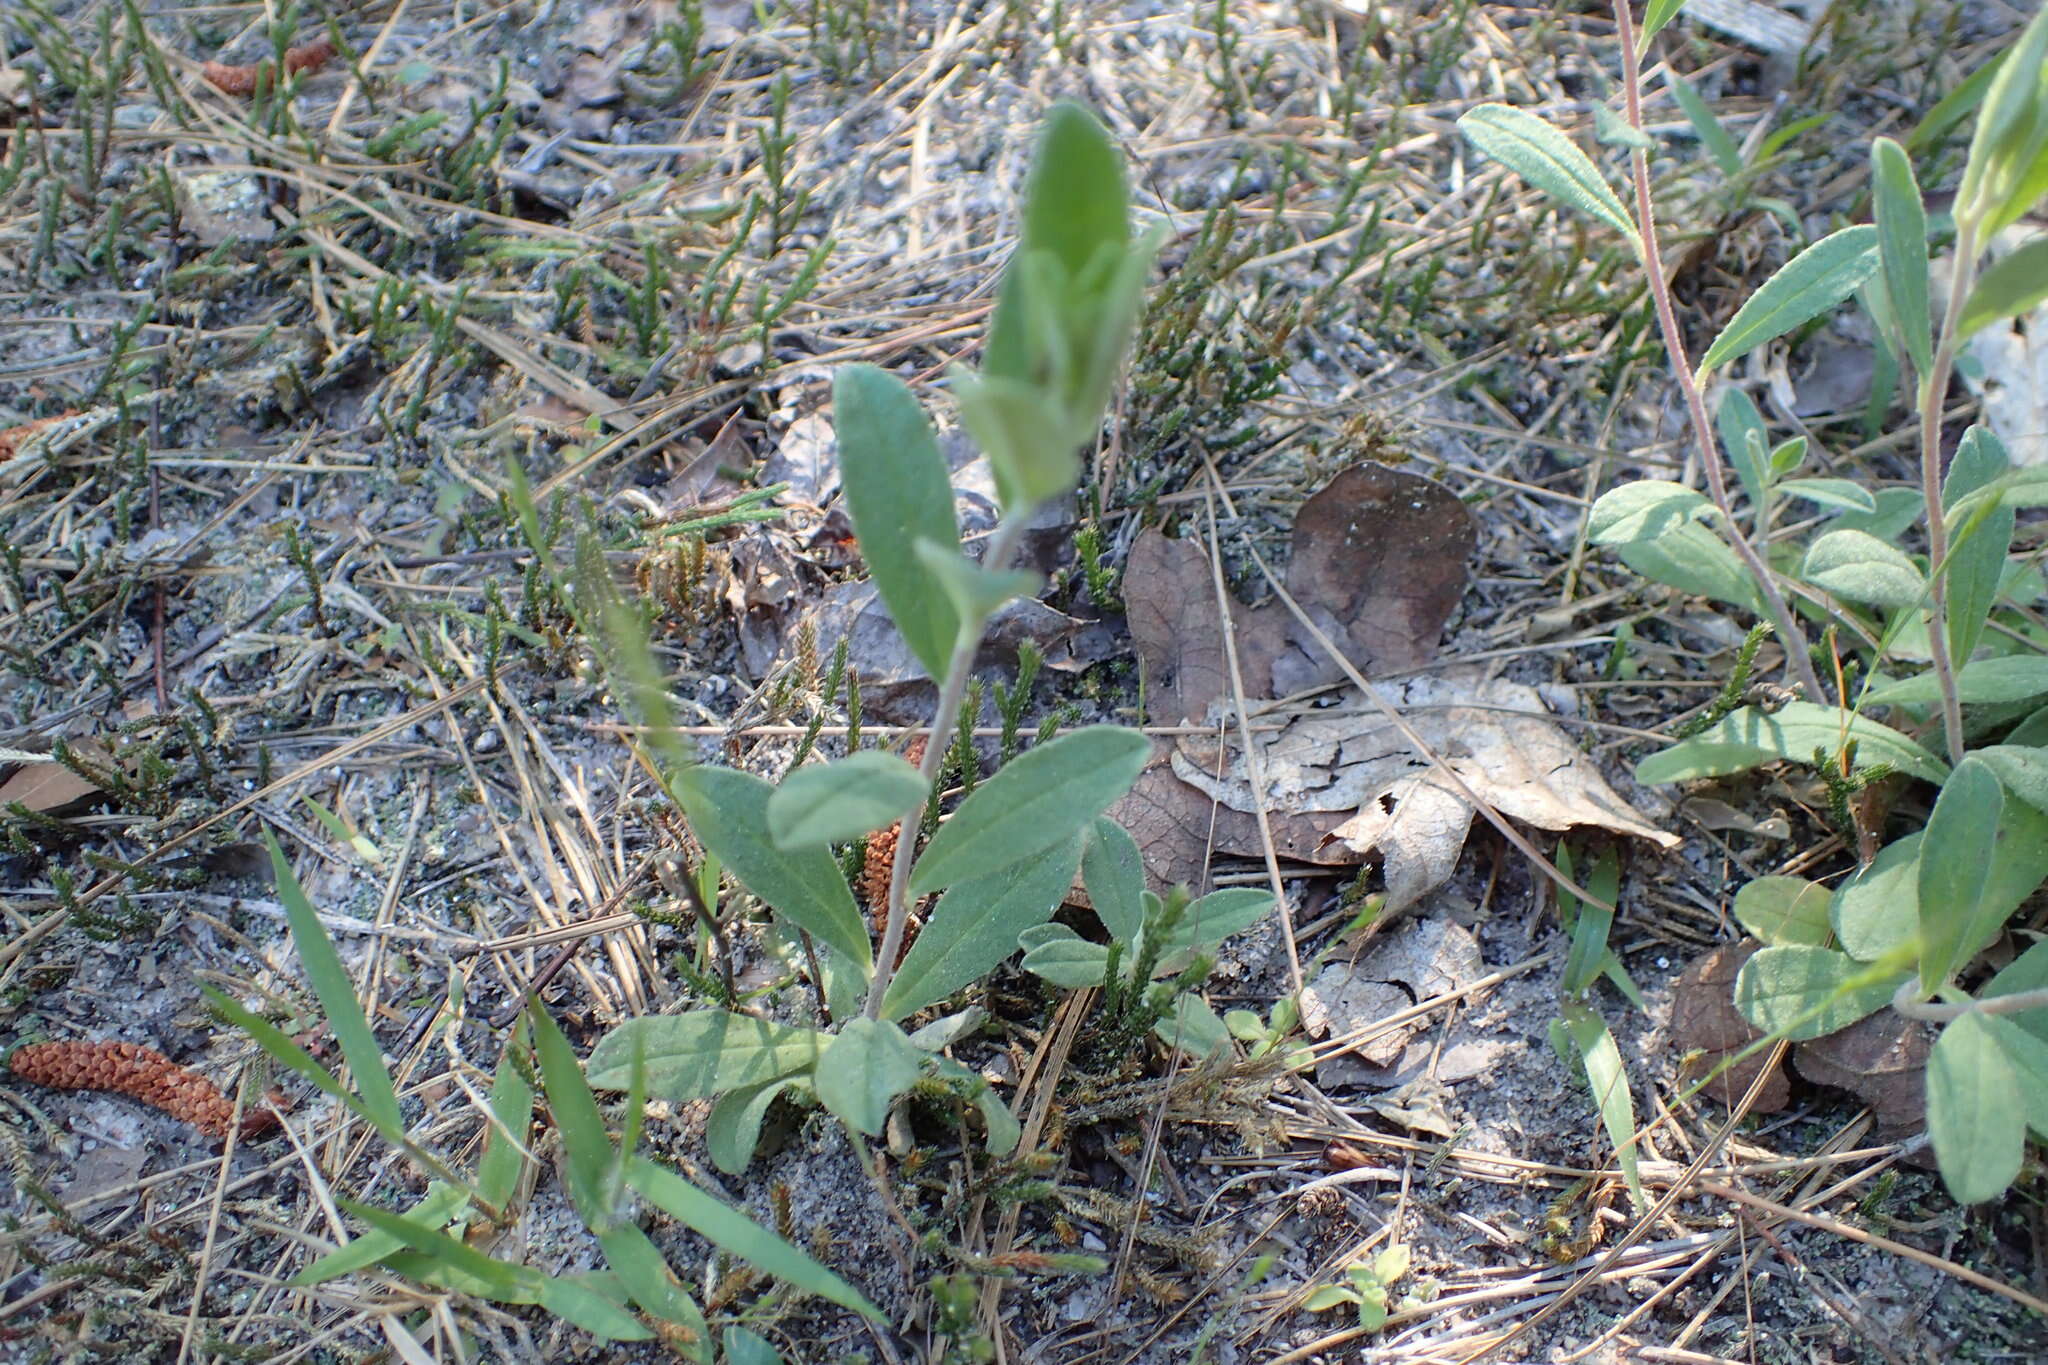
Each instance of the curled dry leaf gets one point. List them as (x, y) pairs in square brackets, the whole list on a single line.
[(1377, 793), (141, 1073)]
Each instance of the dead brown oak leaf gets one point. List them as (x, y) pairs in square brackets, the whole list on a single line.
[(1379, 563), (140, 1073)]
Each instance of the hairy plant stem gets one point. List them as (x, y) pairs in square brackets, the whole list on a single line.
[(1789, 634), (997, 558), (1933, 387)]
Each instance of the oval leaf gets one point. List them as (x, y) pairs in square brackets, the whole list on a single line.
[(2022, 770), (2016, 284), (1113, 874), (976, 924), (733, 1128), (703, 1053), (1860, 567), (1216, 917), (1802, 992), (1846, 494), (1902, 246), (1546, 158), (1063, 957), (1643, 510), (1974, 1112), (866, 1067), (1748, 737), (828, 803), (1877, 910), (728, 810), (1041, 798), (1782, 910), (2014, 677), (1806, 286), (1955, 866), (897, 493)]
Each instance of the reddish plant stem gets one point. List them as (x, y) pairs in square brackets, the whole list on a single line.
[(1789, 634)]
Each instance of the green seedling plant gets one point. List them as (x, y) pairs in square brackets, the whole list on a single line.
[(434, 1241), (1369, 1288), (1158, 953), (1001, 862), (1942, 683), (1580, 1035)]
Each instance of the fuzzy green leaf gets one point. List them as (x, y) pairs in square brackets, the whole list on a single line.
[(1063, 957), (827, 803), (1113, 873), (1976, 557), (1955, 867), (1902, 246), (897, 493), (974, 591), (1782, 910), (1806, 286), (1646, 509), (1216, 917), (2022, 770), (1876, 912), (976, 923), (1749, 737), (1843, 493), (1862, 568), (1802, 992), (864, 1069), (1693, 560), (733, 1128), (2014, 284), (1975, 1112), (1038, 800), (2008, 678), (1546, 158), (702, 1053), (728, 810)]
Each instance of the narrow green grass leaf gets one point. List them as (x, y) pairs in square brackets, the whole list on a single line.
[(288, 1053), (585, 1141), (1547, 159), (728, 810), (1750, 736), (727, 1228), (1975, 1112), (1607, 1078), (1590, 925), (336, 991), (976, 923), (1038, 800), (497, 1280), (1712, 135), (433, 1211), (828, 803), (504, 1159), (897, 493), (593, 1312), (646, 1276), (1955, 867), (1656, 14), (1806, 286), (1902, 247), (700, 1054)]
